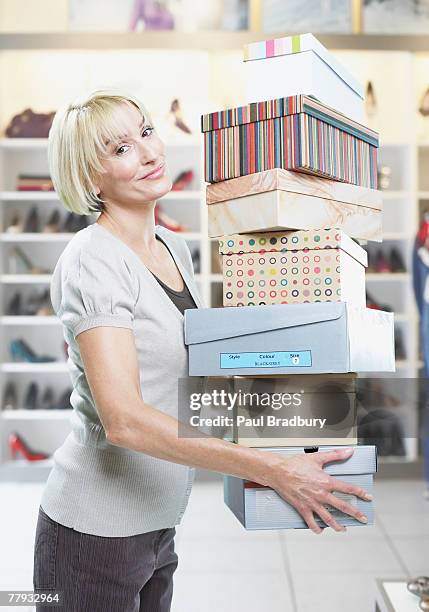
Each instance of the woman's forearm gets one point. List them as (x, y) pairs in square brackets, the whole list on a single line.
[(150, 431)]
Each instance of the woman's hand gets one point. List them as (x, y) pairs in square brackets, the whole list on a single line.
[(301, 481)]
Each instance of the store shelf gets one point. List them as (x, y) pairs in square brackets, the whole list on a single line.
[(42, 143), (35, 415), (36, 237), (190, 235), (394, 195), (25, 471), (387, 277), (396, 236), (35, 320), (25, 196), (23, 143), (34, 368), (182, 195), (213, 40), (25, 278), (216, 278), (423, 195)]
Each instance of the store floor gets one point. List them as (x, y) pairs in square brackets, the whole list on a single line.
[(223, 568)]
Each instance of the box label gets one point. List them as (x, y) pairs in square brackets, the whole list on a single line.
[(276, 359)]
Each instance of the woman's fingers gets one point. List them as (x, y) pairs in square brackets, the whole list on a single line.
[(323, 457), (344, 487), (309, 519), (345, 507), (327, 518)]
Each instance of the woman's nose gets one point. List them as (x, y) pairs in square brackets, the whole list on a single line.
[(148, 152)]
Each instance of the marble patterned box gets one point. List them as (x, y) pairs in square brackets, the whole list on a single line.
[(292, 268), (282, 200)]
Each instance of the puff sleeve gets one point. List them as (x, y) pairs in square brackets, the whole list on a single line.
[(97, 289)]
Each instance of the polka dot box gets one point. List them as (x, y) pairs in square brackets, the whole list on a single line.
[(293, 267)]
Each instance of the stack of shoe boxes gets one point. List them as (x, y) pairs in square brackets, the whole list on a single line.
[(292, 187)]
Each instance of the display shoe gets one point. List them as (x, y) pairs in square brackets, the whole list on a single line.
[(10, 399), (64, 400), (31, 397), (47, 401), (396, 261), (399, 345), (45, 308), (370, 100), (384, 177), (196, 260), (374, 305), (38, 304), (18, 447), (16, 226), (161, 218), (14, 307), (21, 351), (53, 224), (20, 263), (73, 223), (32, 224), (424, 105), (419, 586), (178, 119), (81, 222), (382, 264), (183, 180)]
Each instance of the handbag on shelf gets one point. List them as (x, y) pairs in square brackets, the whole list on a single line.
[(29, 124)]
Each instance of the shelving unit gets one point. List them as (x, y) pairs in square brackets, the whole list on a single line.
[(400, 149)]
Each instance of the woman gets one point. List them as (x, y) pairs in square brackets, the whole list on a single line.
[(121, 481)]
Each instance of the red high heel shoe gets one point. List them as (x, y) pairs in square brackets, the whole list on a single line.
[(161, 218), (183, 180), (17, 446)]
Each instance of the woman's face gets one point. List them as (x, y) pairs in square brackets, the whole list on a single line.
[(135, 168)]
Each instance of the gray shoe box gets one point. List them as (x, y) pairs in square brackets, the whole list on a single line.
[(289, 339), (258, 507)]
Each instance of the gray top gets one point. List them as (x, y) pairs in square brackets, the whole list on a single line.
[(94, 486)]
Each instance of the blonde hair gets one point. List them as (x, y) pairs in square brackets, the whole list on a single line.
[(77, 143)]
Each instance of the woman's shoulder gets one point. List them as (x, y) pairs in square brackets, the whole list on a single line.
[(91, 248)]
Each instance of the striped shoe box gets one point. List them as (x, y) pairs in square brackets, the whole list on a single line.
[(295, 133)]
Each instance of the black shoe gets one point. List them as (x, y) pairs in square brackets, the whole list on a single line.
[(47, 402), (10, 400), (32, 224), (14, 307), (399, 345), (38, 304), (195, 255), (396, 261), (31, 397), (370, 100), (64, 401), (53, 224)]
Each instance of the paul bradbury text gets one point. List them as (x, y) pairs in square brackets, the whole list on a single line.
[(262, 420)]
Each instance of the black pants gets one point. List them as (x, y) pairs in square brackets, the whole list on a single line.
[(99, 574)]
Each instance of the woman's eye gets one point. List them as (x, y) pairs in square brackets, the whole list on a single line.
[(147, 131), (121, 150)]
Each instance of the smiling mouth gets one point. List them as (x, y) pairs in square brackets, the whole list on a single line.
[(159, 171)]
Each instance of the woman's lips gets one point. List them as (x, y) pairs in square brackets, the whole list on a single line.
[(157, 173)]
